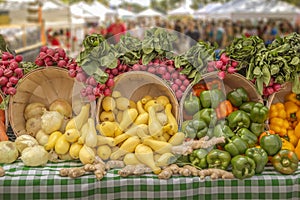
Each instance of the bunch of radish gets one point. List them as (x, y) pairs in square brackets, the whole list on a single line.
[(165, 69), (271, 88), (223, 65), (10, 72), (52, 57)]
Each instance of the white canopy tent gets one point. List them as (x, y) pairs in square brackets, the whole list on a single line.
[(149, 13), (77, 10), (183, 10), (202, 12), (255, 9), (125, 14)]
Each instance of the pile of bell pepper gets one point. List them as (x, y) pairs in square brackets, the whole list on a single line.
[(284, 120), (248, 147)]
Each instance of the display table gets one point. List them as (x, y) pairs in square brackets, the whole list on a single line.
[(22, 182)]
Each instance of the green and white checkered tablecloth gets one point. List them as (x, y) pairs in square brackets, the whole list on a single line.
[(22, 182)]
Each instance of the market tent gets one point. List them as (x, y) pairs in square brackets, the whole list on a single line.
[(77, 10), (125, 14), (245, 9), (202, 12), (183, 10), (149, 13)]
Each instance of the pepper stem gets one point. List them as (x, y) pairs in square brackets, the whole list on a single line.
[(285, 162)]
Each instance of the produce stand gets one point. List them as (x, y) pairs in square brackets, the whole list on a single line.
[(141, 122), (23, 182)]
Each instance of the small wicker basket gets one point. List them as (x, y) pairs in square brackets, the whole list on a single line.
[(230, 82), (42, 85), (137, 84)]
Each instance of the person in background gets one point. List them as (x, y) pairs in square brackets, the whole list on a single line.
[(116, 29), (193, 33), (55, 41)]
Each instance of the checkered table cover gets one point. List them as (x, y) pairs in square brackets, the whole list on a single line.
[(21, 182)]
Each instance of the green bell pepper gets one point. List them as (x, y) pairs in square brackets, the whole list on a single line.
[(249, 137), (259, 113), (238, 119), (236, 146), (247, 106), (205, 99), (223, 130), (218, 159), (210, 132), (238, 96), (196, 128), (257, 128), (208, 115), (285, 161), (198, 158), (192, 104), (271, 143), (242, 166), (211, 98), (260, 158)]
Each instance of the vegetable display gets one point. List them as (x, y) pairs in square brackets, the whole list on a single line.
[(224, 133)]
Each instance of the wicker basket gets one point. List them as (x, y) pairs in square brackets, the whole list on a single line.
[(135, 85), (230, 82), (42, 85)]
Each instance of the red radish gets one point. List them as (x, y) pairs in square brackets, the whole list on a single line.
[(223, 68), (182, 77), (11, 91), (96, 91), (18, 71), (175, 87), (13, 65), (231, 70), (101, 86), (186, 82), (136, 67), (72, 66), (161, 70), (169, 62), (8, 73), (44, 49), (143, 67), (50, 52), (166, 76), (72, 73), (91, 97), (182, 88), (9, 84), (110, 82), (5, 63), (81, 77), (221, 74), (89, 89), (39, 62), (170, 68), (175, 75), (61, 52), (224, 58), (56, 57), (3, 80), (178, 94), (42, 55), (19, 58), (271, 81), (234, 64), (14, 80), (219, 64), (4, 89), (61, 63), (265, 92), (107, 70), (79, 69), (210, 68), (151, 70), (49, 63), (5, 57), (276, 87), (114, 71), (111, 76), (107, 92), (1, 72), (92, 81), (270, 90), (178, 82)]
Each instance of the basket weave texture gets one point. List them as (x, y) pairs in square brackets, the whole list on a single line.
[(43, 85), (135, 85)]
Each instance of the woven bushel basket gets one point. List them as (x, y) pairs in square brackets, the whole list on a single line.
[(231, 82), (43, 85), (135, 85)]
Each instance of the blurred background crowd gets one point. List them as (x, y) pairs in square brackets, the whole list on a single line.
[(65, 23)]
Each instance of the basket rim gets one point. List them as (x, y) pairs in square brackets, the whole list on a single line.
[(11, 99)]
